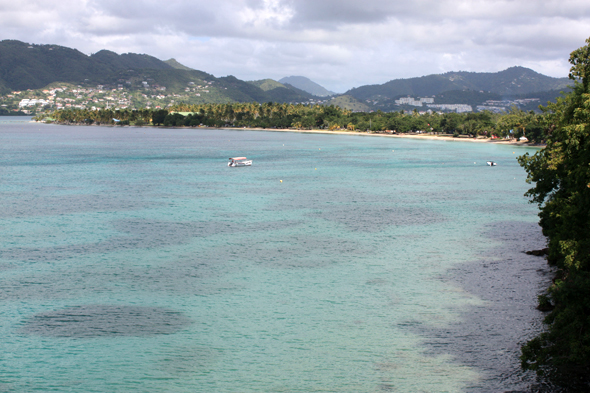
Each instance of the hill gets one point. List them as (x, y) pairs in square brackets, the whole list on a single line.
[(278, 92), (143, 80), (128, 61), (175, 64), (349, 102), (307, 85), (498, 91), (510, 82), (29, 66), (267, 84), (147, 79), (24, 66)]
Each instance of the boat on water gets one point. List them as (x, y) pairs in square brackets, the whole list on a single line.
[(239, 161), (491, 163)]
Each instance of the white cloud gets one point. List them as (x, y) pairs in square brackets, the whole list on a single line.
[(338, 43)]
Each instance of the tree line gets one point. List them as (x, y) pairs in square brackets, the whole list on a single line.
[(513, 124), (561, 176)]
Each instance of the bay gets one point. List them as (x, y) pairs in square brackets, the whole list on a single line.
[(135, 259)]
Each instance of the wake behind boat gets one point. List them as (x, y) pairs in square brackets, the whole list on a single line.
[(239, 161)]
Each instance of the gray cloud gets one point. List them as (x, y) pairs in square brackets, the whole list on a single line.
[(338, 43)]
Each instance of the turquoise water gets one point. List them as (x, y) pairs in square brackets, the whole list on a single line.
[(134, 259)]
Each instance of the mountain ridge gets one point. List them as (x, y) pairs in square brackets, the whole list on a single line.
[(30, 66), (509, 82), (26, 66)]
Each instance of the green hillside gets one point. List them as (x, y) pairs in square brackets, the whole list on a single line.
[(267, 84), (24, 66), (128, 61), (175, 64), (510, 82), (349, 102), (139, 79)]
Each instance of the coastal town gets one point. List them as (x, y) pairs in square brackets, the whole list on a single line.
[(150, 95), (68, 96), (496, 106)]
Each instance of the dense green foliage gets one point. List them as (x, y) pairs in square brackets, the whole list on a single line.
[(128, 61), (561, 174), (24, 66), (6, 112), (513, 124)]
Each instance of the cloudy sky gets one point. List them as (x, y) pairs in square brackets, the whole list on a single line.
[(338, 43)]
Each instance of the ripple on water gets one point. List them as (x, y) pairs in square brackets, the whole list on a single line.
[(106, 321)]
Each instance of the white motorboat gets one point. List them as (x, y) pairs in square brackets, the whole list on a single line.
[(491, 163), (239, 161)]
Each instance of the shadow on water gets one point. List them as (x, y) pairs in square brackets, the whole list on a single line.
[(488, 337), (106, 321), (141, 234)]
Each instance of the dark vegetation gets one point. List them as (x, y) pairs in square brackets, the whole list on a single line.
[(561, 177), (6, 112), (514, 124)]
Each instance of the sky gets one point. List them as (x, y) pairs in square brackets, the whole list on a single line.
[(339, 44)]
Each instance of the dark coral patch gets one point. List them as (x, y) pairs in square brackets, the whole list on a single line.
[(105, 320)]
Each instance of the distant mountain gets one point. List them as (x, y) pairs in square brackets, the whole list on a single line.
[(307, 85), (510, 82), (283, 92)]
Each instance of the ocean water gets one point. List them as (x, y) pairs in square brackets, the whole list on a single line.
[(134, 259)]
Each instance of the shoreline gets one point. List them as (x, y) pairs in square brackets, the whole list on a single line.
[(411, 136), (445, 138)]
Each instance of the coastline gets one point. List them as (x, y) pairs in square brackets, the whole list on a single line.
[(412, 136), (355, 133)]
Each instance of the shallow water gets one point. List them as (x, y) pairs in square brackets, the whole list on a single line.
[(135, 259)]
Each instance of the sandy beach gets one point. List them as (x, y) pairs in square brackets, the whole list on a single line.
[(413, 136), (446, 137)]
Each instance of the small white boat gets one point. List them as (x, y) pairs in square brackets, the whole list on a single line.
[(239, 161), (491, 163)]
